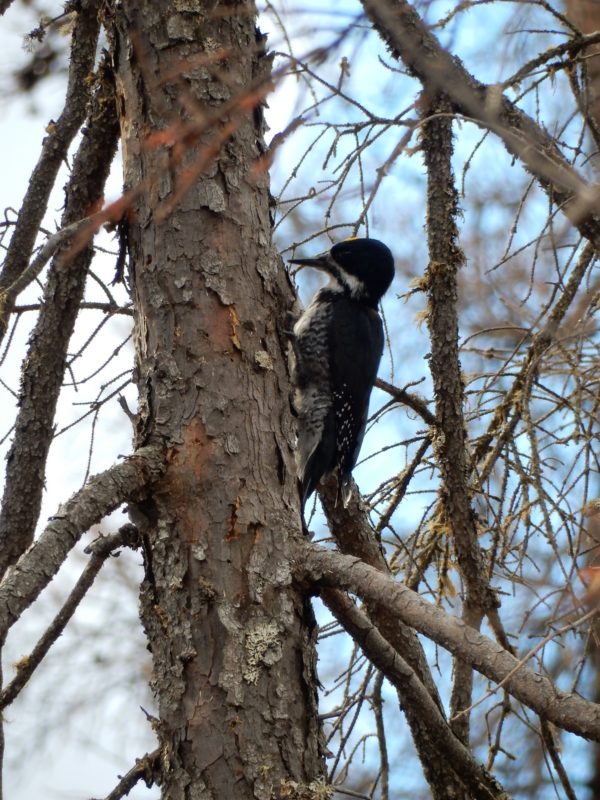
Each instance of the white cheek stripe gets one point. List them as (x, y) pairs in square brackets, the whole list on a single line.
[(334, 285), (351, 282)]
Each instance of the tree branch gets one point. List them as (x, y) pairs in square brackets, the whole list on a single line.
[(101, 549), (5, 5), (106, 308), (355, 536), (48, 249), (146, 769), (103, 493), (410, 40), (54, 148), (450, 434), (413, 401), (570, 49), (325, 568), (501, 423), (46, 360), (403, 678)]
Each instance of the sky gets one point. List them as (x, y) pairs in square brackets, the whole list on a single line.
[(93, 748)]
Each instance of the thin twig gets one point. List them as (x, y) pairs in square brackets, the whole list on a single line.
[(101, 549), (101, 495), (146, 768)]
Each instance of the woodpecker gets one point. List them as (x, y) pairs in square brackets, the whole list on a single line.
[(338, 343)]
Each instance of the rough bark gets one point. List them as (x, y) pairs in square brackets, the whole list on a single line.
[(450, 438), (231, 638)]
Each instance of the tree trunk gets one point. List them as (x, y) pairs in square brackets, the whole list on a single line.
[(585, 15), (231, 638)]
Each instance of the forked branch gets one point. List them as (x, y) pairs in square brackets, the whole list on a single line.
[(567, 710)]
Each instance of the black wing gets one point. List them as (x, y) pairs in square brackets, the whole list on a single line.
[(357, 345)]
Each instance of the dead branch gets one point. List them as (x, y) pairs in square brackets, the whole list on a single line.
[(146, 768), (450, 435), (102, 494), (354, 534), (46, 359), (100, 550), (504, 422), (403, 678), (567, 710), (55, 147), (412, 41), (408, 399), (49, 248)]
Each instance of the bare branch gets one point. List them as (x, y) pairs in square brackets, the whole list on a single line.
[(55, 147), (403, 678), (49, 248), (450, 436), (377, 703), (46, 360), (411, 40), (354, 534), (503, 423), (146, 768), (102, 494), (402, 484), (570, 49), (567, 710), (101, 549), (5, 5), (550, 745), (409, 399), (106, 308)]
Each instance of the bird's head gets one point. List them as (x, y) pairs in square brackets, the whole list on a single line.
[(364, 268)]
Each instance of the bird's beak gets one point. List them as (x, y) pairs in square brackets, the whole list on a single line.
[(321, 262)]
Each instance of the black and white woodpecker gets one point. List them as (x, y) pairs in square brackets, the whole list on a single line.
[(338, 343)]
